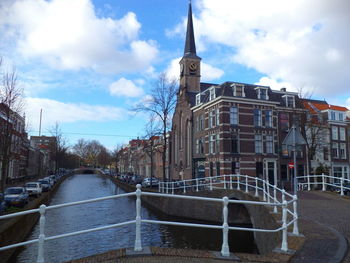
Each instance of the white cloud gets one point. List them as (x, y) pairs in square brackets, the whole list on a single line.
[(305, 43), (61, 112), (125, 87), (208, 72), (274, 84), (68, 35)]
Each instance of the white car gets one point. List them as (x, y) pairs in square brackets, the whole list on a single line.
[(34, 188), (147, 182)]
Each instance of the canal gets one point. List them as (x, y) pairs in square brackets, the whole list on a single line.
[(86, 186)]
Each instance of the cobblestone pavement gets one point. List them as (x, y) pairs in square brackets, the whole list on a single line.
[(325, 222)]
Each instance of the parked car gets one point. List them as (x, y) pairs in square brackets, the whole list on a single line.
[(147, 182), (337, 188), (136, 179), (16, 196), (45, 184), (3, 205), (34, 188)]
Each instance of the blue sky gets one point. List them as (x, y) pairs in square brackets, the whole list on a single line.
[(87, 62)]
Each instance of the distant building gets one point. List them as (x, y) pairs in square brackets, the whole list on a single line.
[(47, 145)]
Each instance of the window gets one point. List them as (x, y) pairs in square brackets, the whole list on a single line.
[(342, 133), (212, 144), (197, 146), (284, 119), (211, 118), (238, 91), (212, 94), (262, 93), (334, 133), (325, 153), (217, 143), (234, 143), (269, 144), (332, 116), (342, 150), (217, 117), (211, 169), (197, 124), (198, 99), (201, 122), (217, 168), (268, 118), (234, 116), (335, 152), (257, 117), (258, 143), (200, 146), (290, 102), (341, 116)]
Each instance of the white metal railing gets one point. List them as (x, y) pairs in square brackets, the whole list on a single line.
[(283, 203), (340, 184)]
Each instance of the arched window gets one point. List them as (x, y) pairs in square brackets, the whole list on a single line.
[(180, 132)]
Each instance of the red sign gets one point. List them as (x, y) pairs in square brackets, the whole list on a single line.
[(290, 165)]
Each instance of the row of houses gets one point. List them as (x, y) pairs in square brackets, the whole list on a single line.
[(23, 157), (242, 128)]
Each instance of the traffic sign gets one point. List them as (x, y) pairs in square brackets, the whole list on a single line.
[(291, 165)]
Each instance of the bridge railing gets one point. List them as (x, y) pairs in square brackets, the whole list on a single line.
[(289, 217), (339, 184)]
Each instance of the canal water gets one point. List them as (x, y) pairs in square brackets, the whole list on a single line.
[(75, 218)]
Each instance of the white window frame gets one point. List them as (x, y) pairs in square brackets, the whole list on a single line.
[(198, 99), (268, 123), (342, 136), (259, 124), (335, 133), (259, 89), (269, 144), (212, 94), (234, 115), (342, 149), (234, 89), (212, 144), (258, 143), (217, 116), (335, 146), (341, 116)]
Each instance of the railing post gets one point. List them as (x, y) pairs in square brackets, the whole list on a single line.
[(264, 191), (225, 250), (295, 213), (238, 185), (308, 183), (158, 186), (342, 186), (283, 196), (184, 186), (197, 185), (167, 187), (231, 181), (172, 187), (256, 187), (246, 183), (42, 221), (138, 246), (323, 183), (284, 246), (275, 199), (268, 189), (224, 181), (210, 183)]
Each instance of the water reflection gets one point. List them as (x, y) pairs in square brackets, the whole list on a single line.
[(75, 218)]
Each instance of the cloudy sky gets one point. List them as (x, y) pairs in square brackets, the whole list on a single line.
[(86, 62)]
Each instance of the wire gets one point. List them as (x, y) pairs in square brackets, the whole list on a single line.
[(92, 134)]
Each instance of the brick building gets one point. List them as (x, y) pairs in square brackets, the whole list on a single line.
[(230, 127)]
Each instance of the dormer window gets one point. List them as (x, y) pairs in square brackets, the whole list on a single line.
[(198, 99), (289, 101), (212, 94), (332, 115), (238, 90), (262, 93), (341, 116)]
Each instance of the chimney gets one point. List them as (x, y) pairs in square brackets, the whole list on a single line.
[(284, 89)]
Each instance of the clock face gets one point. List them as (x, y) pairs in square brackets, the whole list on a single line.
[(193, 66)]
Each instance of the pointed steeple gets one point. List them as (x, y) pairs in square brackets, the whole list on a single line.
[(190, 45)]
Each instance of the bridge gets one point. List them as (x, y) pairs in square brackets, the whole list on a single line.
[(313, 209)]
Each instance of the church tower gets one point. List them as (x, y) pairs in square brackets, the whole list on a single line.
[(190, 62)]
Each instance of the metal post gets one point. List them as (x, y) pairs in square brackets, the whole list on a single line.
[(264, 192), (274, 198), (158, 186), (284, 246), (225, 250), (283, 196), (295, 213), (308, 183), (210, 183), (172, 187), (138, 246), (268, 189), (295, 160), (42, 221), (167, 187), (323, 183), (246, 183), (197, 185), (224, 181), (238, 186), (342, 186), (184, 182), (256, 187), (231, 181)]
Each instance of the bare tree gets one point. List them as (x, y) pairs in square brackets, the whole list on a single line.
[(80, 149), (58, 147), (11, 105), (161, 104), (117, 156)]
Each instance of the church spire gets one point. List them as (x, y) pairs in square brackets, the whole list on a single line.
[(190, 45)]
